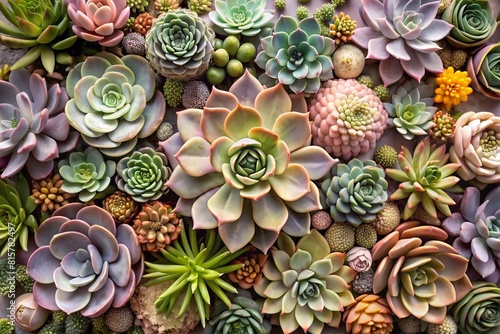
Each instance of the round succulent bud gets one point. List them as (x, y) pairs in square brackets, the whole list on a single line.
[(280, 4), (134, 43), (449, 326), (340, 237), (195, 95), (164, 131), (325, 13), (382, 92), (363, 282), (366, 80), (348, 62), (321, 220), (120, 320), (386, 156), (387, 219), (173, 90), (366, 235), (302, 12), (121, 206), (409, 325)]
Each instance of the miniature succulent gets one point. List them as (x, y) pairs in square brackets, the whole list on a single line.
[(76, 323), (86, 173), (251, 272), (325, 13), (34, 130), (163, 6), (195, 266), (245, 164), (359, 259), (99, 20), (369, 314), (48, 193), (484, 71), (340, 237), (134, 43), (352, 124), (366, 235), (280, 4), (84, 263), (473, 22), (6, 326), (246, 17), (305, 284), (40, 26), (423, 275), (114, 102), (348, 62), (302, 13), (143, 175), (321, 220), (179, 45), (476, 228), (356, 193), (401, 34), (23, 279), (195, 94), (29, 316), (164, 131), (363, 282), (296, 55), (444, 126), (342, 28), (456, 58), (173, 90), (143, 23), (453, 88), (120, 320), (476, 147), (411, 109), (137, 6), (121, 206), (425, 179), (385, 156), (200, 6), (387, 219)]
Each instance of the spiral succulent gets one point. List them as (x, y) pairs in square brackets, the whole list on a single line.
[(251, 272), (179, 45), (484, 71), (296, 55), (121, 206), (84, 263), (352, 123), (359, 259), (342, 28), (369, 314)]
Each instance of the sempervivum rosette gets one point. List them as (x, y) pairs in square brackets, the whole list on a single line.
[(348, 118), (84, 262)]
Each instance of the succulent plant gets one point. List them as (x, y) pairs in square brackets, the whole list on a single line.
[(48, 193), (40, 26), (453, 88), (385, 156), (363, 282), (401, 34), (246, 17), (296, 55), (476, 148), (134, 43), (143, 175), (114, 102), (86, 173), (302, 13), (163, 6), (99, 20), (251, 272), (423, 275), (356, 193), (34, 130), (342, 28), (29, 316), (359, 259), (473, 23), (411, 109), (173, 90), (305, 285), (444, 126), (195, 94), (137, 5), (387, 219), (476, 228), (143, 23), (179, 45), (450, 56), (366, 235), (120, 320), (84, 261), (195, 266), (200, 6), (352, 124), (244, 164), (321, 220), (484, 71), (449, 326), (121, 206), (369, 314), (425, 179), (340, 237)]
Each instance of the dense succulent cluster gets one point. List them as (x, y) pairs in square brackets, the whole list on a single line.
[(121, 206), (342, 28), (444, 126), (251, 271), (48, 193)]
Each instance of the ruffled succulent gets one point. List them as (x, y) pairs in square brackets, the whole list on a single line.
[(179, 45), (356, 193), (40, 26), (48, 193), (411, 109), (352, 123), (251, 272), (476, 147), (245, 164), (476, 228), (402, 35), (425, 179), (143, 175), (484, 70), (452, 88), (33, 127), (423, 275), (296, 55), (305, 285), (121, 206), (86, 173), (99, 20), (473, 22), (369, 314), (84, 263), (246, 17), (114, 102)]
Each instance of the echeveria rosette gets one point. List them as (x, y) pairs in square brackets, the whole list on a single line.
[(356, 192), (84, 263), (33, 127), (296, 55), (423, 274), (411, 109), (402, 35), (473, 23), (114, 102), (369, 314), (245, 164), (484, 70), (246, 17), (86, 173)]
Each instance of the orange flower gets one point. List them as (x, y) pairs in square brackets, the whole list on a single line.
[(453, 87)]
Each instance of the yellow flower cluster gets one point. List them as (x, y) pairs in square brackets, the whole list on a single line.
[(453, 87)]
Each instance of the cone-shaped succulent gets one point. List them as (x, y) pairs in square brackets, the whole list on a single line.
[(356, 193), (305, 285), (245, 164), (296, 55), (121, 206), (484, 71), (425, 179), (401, 34), (423, 275), (33, 127), (369, 314), (114, 102), (84, 261)]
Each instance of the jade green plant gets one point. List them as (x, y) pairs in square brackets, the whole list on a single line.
[(425, 179), (40, 26), (305, 285), (196, 266), (296, 55), (86, 173), (356, 193)]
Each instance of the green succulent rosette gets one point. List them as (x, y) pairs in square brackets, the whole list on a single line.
[(484, 70)]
